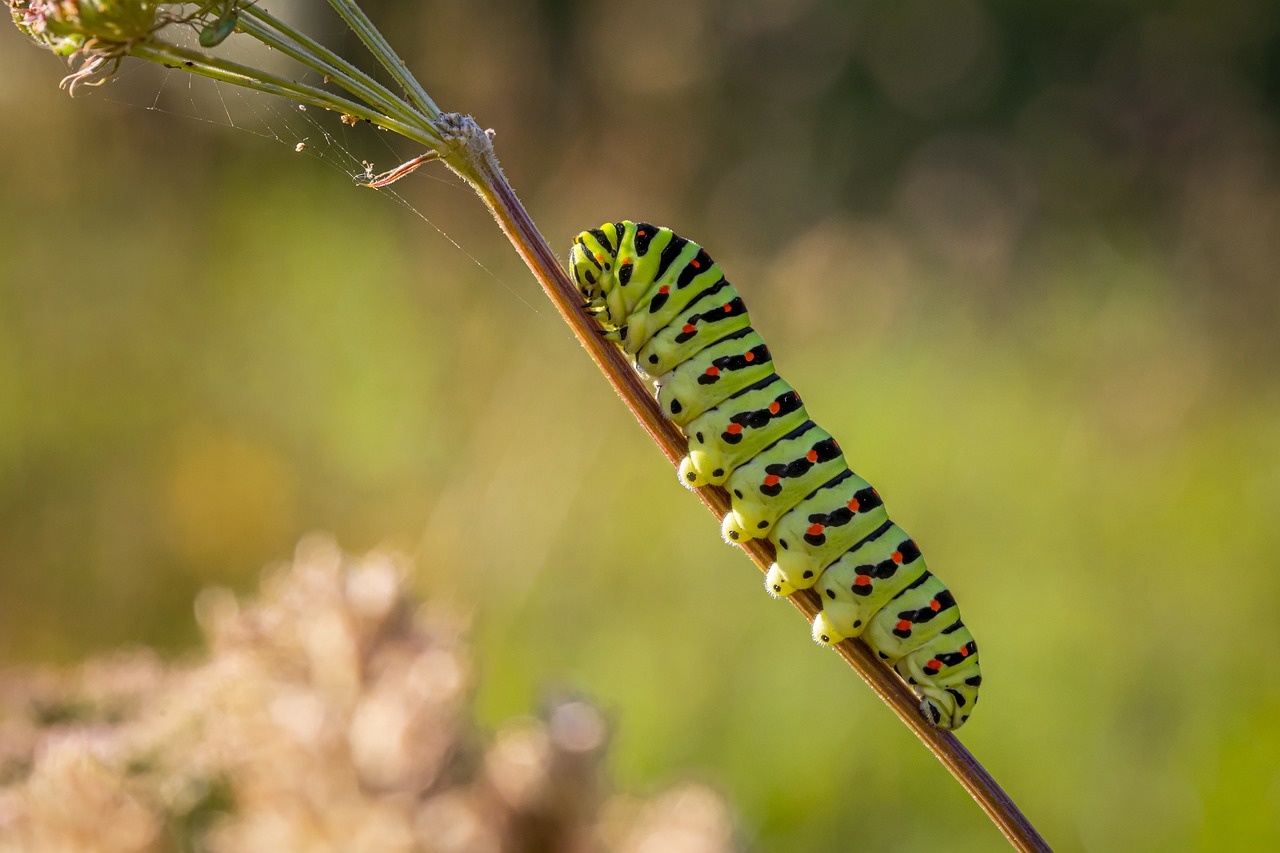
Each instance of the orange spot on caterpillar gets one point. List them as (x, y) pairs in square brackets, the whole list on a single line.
[(903, 625), (625, 261), (664, 289), (853, 504), (774, 408), (749, 356), (862, 580), (694, 263), (964, 651), (772, 480), (811, 456), (734, 429), (897, 557), (814, 529), (935, 605), (713, 371), (727, 308), (934, 665), (689, 328), (600, 258)]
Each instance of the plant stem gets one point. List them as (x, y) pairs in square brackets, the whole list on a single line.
[(253, 78), (474, 160), (381, 50), (274, 33)]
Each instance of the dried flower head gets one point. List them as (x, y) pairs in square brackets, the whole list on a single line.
[(66, 26), (96, 34), (329, 713)]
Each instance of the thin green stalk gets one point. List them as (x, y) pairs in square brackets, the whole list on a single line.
[(271, 31), (252, 78), (387, 58)]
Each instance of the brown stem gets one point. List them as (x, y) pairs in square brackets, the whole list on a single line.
[(473, 159)]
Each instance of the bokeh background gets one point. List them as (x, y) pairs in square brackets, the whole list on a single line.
[(1023, 259)]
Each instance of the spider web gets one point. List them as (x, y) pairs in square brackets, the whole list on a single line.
[(357, 150)]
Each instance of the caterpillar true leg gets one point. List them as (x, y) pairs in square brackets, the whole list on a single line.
[(663, 300)]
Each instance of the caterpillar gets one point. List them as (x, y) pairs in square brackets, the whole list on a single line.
[(668, 306)]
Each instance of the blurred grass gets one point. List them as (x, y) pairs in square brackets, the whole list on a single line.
[(1040, 318)]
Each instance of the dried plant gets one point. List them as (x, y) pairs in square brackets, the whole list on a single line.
[(79, 29), (329, 714)]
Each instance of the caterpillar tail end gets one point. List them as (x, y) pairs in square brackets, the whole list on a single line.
[(777, 585), (941, 709)]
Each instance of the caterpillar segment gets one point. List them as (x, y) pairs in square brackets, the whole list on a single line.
[(736, 431), (717, 313), (714, 375), (836, 517), (663, 300), (777, 479)]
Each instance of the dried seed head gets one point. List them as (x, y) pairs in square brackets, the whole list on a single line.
[(69, 26), (95, 34)]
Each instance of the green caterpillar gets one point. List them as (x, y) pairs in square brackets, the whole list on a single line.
[(664, 301)]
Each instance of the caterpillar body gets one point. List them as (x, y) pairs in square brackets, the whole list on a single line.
[(663, 300)]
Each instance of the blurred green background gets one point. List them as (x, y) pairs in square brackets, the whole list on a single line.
[(1022, 259)]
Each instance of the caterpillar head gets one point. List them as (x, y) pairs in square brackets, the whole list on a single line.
[(592, 264), (776, 583)]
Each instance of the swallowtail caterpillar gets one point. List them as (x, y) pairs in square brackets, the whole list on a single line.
[(663, 300)]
